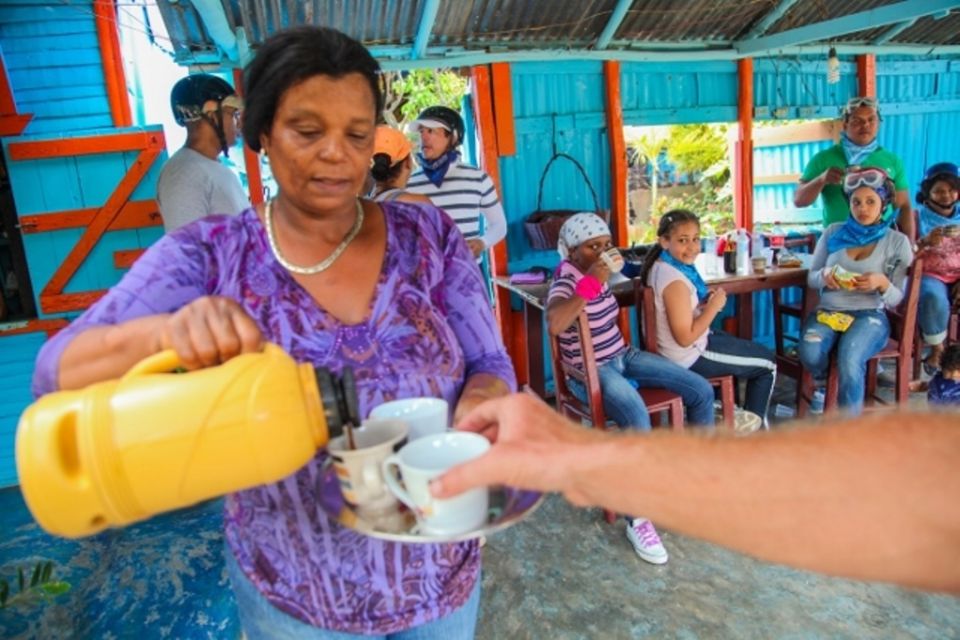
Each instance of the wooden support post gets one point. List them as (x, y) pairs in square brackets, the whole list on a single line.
[(106, 21), (867, 75), (743, 167), (619, 212), (250, 159), (11, 122)]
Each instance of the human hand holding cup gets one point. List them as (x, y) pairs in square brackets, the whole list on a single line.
[(408, 474)]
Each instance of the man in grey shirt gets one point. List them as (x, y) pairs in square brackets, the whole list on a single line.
[(193, 182)]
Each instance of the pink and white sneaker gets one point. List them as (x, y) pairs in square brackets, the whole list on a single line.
[(646, 542)]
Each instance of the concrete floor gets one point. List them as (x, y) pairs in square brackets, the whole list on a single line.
[(564, 573)]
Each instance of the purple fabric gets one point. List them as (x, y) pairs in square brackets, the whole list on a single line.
[(429, 328)]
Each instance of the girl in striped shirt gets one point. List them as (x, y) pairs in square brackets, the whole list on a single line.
[(580, 283)]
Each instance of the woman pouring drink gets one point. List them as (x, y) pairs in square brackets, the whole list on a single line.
[(389, 289)]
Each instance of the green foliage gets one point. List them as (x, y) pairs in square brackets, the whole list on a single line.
[(712, 201), (41, 587), (411, 92), (695, 148)]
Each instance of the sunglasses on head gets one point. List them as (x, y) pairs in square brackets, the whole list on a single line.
[(873, 178)]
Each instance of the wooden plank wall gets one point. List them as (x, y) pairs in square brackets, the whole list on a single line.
[(17, 355)]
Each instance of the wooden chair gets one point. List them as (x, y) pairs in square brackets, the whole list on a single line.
[(782, 308), (646, 304), (658, 401), (900, 348)]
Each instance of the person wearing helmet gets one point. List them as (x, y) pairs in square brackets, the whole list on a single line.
[(938, 220), (392, 166), (193, 182), (465, 192), (858, 149)]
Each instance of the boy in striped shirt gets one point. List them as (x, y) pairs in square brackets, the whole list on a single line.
[(579, 284)]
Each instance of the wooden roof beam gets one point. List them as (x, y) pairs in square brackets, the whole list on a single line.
[(768, 19), (427, 19), (616, 19)]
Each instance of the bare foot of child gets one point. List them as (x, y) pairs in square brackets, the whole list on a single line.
[(919, 386)]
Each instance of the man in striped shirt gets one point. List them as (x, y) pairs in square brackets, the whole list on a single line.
[(464, 192), (580, 284)]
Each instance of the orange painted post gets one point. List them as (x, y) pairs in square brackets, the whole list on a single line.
[(106, 20), (743, 168), (490, 161), (85, 146), (250, 159), (867, 75), (503, 108), (619, 211)]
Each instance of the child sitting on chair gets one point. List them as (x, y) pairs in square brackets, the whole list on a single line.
[(944, 387), (685, 309), (580, 283)]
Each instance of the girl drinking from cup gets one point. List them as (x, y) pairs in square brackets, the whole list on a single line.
[(939, 246), (580, 284), (685, 310), (860, 268)]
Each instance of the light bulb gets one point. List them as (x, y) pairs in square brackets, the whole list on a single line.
[(833, 67)]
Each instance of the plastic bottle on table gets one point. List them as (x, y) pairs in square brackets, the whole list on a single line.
[(710, 252), (743, 252), (777, 238)]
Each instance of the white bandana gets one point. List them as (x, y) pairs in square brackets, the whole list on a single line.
[(578, 229)]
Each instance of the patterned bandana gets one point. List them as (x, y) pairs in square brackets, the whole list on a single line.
[(435, 170), (856, 153), (690, 272), (578, 229), (854, 234)]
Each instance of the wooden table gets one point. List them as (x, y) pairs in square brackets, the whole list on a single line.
[(534, 298)]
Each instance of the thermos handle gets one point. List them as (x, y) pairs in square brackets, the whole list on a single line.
[(166, 361)]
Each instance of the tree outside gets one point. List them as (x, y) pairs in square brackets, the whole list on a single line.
[(410, 92)]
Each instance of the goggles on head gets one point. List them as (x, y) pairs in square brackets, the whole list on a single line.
[(861, 101), (873, 178)]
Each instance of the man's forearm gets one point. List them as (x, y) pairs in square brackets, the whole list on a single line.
[(871, 499), (807, 192)]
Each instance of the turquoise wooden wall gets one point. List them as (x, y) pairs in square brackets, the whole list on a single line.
[(17, 354), (54, 65)]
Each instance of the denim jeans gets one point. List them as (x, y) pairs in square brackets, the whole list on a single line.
[(263, 621), (934, 311), (727, 355), (622, 403), (865, 338)]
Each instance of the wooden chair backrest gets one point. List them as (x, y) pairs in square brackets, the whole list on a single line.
[(587, 376), (903, 319)]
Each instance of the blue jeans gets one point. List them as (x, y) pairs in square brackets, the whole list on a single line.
[(622, 403), (727, 355), (262, 621), (934, 311), (865, 338)]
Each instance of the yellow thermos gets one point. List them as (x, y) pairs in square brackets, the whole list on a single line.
[(155, 440)]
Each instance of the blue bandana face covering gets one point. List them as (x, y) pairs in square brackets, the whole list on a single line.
[(930, 219), (854, 234), (855, 153), (435, 170), (690, 272)]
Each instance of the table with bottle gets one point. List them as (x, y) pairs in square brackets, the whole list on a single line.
[(741, 284)]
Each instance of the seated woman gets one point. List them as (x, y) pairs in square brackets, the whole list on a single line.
[(390, 290), (683, 325), (860, 268), (580, 284), (939, 246), (392, 165)]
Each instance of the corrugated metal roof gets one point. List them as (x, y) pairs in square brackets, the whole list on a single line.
[(502, 27)]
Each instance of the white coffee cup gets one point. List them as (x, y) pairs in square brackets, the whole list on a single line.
[(613, 259), (421, 461), (359, 470), (424, 416)]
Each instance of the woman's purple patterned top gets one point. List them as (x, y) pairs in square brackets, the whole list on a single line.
[(428, 329)]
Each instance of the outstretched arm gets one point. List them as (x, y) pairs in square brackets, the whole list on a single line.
[(872, 498)]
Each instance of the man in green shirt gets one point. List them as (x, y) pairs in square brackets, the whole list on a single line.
[(857, 148)]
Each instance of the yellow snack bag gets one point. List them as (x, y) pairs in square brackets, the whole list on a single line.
[(836, 320)]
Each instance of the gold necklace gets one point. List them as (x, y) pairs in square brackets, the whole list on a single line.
[(324, 264)]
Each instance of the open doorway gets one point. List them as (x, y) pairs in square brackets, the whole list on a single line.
[(16, 291)]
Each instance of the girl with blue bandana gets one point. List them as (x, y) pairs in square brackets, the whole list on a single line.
[(859, 267), (939, 243), (686, 308)]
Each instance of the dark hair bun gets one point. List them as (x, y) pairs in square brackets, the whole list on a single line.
[(381, 167)]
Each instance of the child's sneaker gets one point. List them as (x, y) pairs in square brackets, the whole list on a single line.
[(645, 541)]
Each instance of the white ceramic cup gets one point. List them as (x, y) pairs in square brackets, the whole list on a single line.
[(613, 259), (421, 461), (424, 416), (359, 470)]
